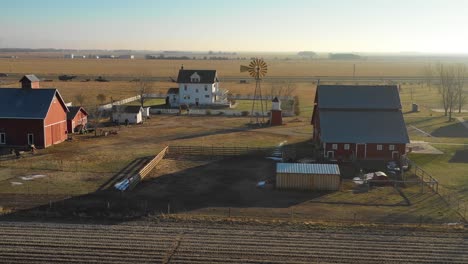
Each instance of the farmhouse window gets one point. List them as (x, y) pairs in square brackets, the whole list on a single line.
[(2, 138), (391, 147), (335, 146), (207, 96), (346, 146), (185, 87), (196, 90), (206, 87), (379, 147)]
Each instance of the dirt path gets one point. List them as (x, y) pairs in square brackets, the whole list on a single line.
[(203, 243)]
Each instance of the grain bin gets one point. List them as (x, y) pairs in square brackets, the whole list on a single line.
[(301, 176)]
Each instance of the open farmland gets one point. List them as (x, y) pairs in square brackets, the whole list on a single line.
[(225, 243)]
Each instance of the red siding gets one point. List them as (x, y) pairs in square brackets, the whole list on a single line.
[(80, 119), (17, 130), (371, 151), (55, 123)]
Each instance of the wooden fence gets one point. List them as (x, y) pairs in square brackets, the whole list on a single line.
[(451, 198), (222, 151)]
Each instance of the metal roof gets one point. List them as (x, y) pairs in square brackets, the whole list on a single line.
[(26, 103), (307, 168), (30, 77), (358, 97), (73, 111), (363, 127), (206, 76), (130, 109)]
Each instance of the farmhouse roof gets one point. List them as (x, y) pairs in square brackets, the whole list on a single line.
[(30, 77), (74, 110), (363, 127), (173, 91), (358, 97), (27, 104), (206, 76), (130, 109), (307, 168)]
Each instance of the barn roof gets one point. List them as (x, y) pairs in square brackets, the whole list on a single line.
[(358, 97), (206, 76), (27, 103), (363, 127), (30, 77), (307, 168), (74, 110)]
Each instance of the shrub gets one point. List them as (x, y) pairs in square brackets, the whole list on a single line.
[(208, 112), (245, 113), (297, 109)]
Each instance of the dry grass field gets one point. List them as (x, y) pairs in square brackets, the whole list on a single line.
[(84, 165)]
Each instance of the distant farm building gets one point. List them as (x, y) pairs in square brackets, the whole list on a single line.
[(32, 116), (77, 119), (359, 122), (303, 176), (199, 87), (128, 57), (131, 114)]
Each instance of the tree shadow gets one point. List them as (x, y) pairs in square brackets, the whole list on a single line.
[(460, 156), (454, 130)]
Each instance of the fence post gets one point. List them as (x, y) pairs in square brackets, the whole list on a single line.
[(168, 208)]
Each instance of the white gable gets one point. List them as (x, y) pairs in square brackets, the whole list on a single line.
[(195, 77)]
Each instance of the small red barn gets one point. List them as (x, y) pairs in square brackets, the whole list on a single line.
[(32, 116), (77, 119), (359, 122)]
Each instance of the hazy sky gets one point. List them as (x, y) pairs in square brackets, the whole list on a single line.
[(237, 25)]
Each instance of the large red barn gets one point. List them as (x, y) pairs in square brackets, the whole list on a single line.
[(32, 116), (359, 122)]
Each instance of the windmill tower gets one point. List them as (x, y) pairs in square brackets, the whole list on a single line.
[(257, 69)]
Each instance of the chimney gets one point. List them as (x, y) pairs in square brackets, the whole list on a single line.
[(29, 82)]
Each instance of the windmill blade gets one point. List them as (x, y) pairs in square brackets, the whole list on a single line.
[(244, 68)]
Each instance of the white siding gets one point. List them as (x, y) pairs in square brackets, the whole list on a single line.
[(132, 118), (197, 91)]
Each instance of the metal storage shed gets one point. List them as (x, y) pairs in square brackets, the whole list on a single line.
[(302, 176)]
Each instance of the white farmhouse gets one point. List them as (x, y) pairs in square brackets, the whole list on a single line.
[(127, 114), (200, 87)]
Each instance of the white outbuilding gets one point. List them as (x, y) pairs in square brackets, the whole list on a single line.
[(127, 114)]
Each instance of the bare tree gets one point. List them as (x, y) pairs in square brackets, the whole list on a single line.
[(460, 75), (144, 87), (428, 73), (101, 98), (447, 87), (80, 98)]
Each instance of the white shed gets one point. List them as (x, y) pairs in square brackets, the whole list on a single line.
[(303, 176), (131, 114)]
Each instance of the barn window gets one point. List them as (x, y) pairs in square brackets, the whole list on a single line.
[(335, 146), (379, 147), (346, 146), (2, 138), (391, 147)]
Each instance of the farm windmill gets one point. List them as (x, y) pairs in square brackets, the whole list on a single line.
[(257, 69)]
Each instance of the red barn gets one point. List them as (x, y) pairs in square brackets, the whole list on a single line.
[(77, 119), (359, 122), (32, 116)]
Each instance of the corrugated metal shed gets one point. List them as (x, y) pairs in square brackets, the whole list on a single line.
[(305, 168), (301, 176)]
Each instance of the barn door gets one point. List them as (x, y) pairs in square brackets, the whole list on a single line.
[(360, 151), (30, 139)]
